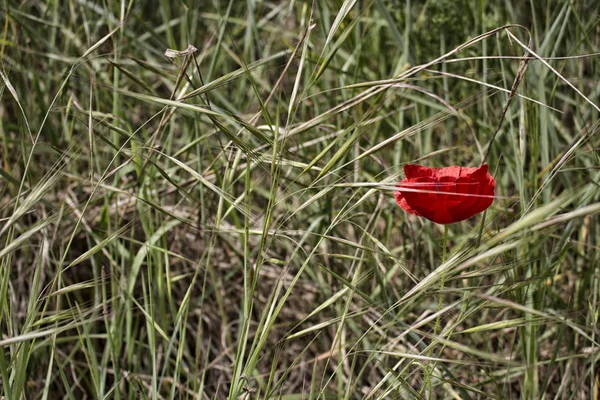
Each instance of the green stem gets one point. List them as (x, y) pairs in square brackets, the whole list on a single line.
[(440, 304), (444, 247), (441, 300)]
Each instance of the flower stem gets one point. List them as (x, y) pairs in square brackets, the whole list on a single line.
[(444, 246), (440, 304), (441, 300)]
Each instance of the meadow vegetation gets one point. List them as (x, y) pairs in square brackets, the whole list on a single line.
[(196, 199)]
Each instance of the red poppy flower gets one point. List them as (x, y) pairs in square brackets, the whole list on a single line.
[(445, 195)]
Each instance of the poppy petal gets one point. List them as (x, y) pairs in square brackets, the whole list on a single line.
[(417, 171), (445, 195), (401, 201)]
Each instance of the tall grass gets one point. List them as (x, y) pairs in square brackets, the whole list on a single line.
[(196, 200)]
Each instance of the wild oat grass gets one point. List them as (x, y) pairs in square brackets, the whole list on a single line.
[(196, 199)]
